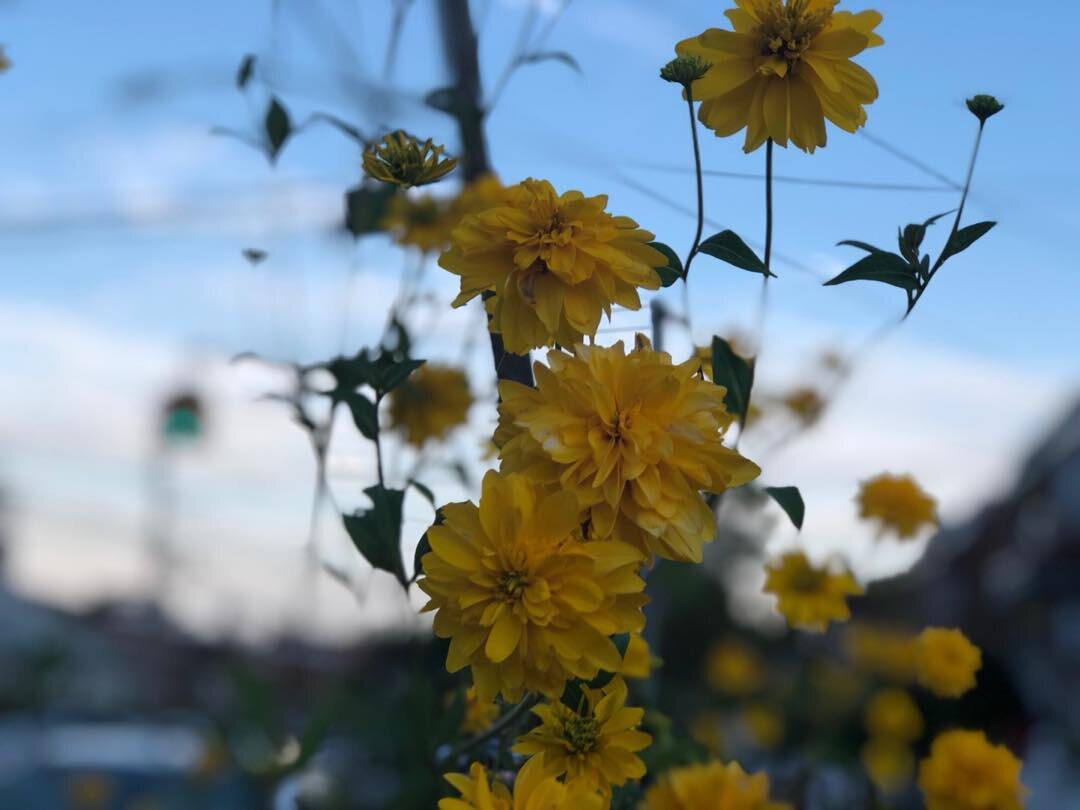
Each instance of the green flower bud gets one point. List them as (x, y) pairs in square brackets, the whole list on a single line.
[(983, 106), (684, 70), (401, 159)]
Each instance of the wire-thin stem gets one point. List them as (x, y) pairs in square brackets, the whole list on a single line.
[(496, 728), (700, 184), (764, 297)]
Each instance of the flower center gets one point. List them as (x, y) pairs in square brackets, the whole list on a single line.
[(511, 586), (581, 733), (787, 30), (807, 580)]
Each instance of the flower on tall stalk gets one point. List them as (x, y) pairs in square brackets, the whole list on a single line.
[(635, 437), (534, 789), (783, 70), (595, 744), (709, 787), (898, 503), (809, 596), (966, 772), (404, 160), (430, 403), (946, 662), (525, 602), (554, 263)]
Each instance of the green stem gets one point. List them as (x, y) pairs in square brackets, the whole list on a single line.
[(378, 444), (768, 205), (700, 188), (498, 727)]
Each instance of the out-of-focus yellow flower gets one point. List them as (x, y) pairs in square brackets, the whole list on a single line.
[(478, 196), (764, 725), (707, 729), (808, 596), (946, 662), (633, 436), (555, 264), (523, 601), (892, 713), (479, 714), (433, 400), (898, 503), (596, 744), (213, 760), (783, 70), (837, 689), (710, 787), (534, 789), (805, 404), (889, 763), (403, 160), (884, 651), (422, 222), (734, 667), (5, 63), (90, 791), (966, 772), (638, 661)]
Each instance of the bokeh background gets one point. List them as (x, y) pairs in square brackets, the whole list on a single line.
[(176, 621)]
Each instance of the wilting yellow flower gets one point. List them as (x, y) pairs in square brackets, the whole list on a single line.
[(479, 714), (808, 596), (966, 772), (946, 662), (421, 222), (784, 69), (432, 401), (898, 503), (404, 160), (734, 667), (633, 436), (889, 763), (885, 651), (805, 404), (892, 713), (711, 787), (595, 744), (554, 262), (638, 661), (525, 603), (764, 725), (534, 789)]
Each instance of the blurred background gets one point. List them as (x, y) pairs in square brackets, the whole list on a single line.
[(179, 627)]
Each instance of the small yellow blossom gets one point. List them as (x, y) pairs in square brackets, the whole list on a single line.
[(633, 436), (805, 404), (764, 725), (885, 651), (430, 403), (783, 70), (889, 763), (525, 603), (479, 714), (898, 503), (595, 744), (555, 264), (809, 597), (534, 789), (711, 787), (893, 714), (735, 668), (707, 729), (946, 662), (422, 222), (403, 160), (638, 661), (966, 772)]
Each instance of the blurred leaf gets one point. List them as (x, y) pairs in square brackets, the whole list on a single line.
[(247, 69), (424, 546), (791, 501), (728, 246), (376, 533), (383, 372), (365, 206), (550, 56), (965, 237), (424, 490), (862, 246), (673, 270), (254, 255), (887, 268), (735, 374), (447, 100), (278, 127), (341, 124), (364, 413)]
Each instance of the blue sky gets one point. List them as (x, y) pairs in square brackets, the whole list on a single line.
[(123, 218)]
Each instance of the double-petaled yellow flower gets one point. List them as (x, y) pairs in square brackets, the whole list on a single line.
[(783, 70), (524, 601), (534, 789), (946, 662), (633, 436), (594, 744), (404, 160), (898, 503), (966, 772), (709, 787), (555, 263), (809, 596), (430, 403)]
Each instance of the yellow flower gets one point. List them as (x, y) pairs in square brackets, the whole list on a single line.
[(554, 262), (711, 787), (637, 661), (889, 763), (401, 159), (421, 222), (707, 729), (734, 667), (892, 713), (633, 436), (595, 744), (525, 603), (479, 714), (885, 651), (946, 662), (534, 789), (805, 404), (783, 70), (898, 503), (966, 772), (764, 725), (485, 192), (432, 401), (809, 597)]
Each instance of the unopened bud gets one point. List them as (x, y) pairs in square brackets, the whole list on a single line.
[(983, 106), (684, 70)]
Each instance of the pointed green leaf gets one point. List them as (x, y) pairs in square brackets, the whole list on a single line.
[(424, 490), (376, 532), (364, 413), (880, 266), (365, 207), (791, 501), (728, 246), (247, 69), (547, 56), (278, 127), (965, 237), (735, 374), (862, 246), (673, 270)]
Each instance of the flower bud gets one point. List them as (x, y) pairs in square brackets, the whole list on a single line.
[(983, 106), (684, 70), (401, 159)]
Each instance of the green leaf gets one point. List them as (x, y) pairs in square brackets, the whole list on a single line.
[(965, 237), (549, 56), (376, 533), (424, 490), (911, 239), (673, 270), (887, 268), (384, 373), (254, 255), (365, 207), (393, 373), (278, 127), (727, 246), (446, 99), (364, 413), (735, 374), (424, 546), (862, 246), (791, 501), (247, 69)]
